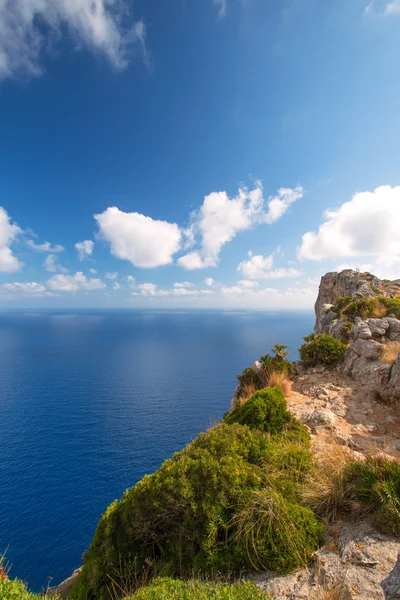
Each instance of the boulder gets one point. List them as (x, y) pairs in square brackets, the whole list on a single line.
[(391, 585)]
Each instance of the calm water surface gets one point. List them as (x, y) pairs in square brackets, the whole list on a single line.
[(91, 401)]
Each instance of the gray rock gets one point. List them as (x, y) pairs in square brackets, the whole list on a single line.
[(391, 585), (367, 348), (378, 327)]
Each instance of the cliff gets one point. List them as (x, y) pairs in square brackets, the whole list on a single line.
[(363, 310)]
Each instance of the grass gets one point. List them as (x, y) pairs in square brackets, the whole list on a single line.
[(282, 380), (389, 353), (170, 589), (371, 308), (340, 486)]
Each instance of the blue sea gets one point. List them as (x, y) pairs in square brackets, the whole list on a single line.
[(90, 401)]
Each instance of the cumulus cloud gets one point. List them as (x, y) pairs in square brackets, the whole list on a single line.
[(116, 286), (73, 283), (368, 225), (220, 218), (111, 275), (84, 249), (29, 28), (141, 240), (8, 233), (151, 289), (261, 267), (392, 8), (28, 289), (209, 281), (183, 284), (45, 247), (52, 265)]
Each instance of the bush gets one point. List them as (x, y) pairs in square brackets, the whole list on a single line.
[(274, 364), (184, 519), (266, 410), (277, 534), (323, 350), (250, 378), (13, 589), (171, 589), (341, 303), (340, 486), (376, 485)]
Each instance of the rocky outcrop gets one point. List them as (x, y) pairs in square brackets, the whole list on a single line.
[(347, 283), (356, 563), (362, 360)]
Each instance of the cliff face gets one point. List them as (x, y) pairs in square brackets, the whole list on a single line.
[(367, 337)]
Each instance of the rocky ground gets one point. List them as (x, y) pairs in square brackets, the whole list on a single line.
[(333, 405)]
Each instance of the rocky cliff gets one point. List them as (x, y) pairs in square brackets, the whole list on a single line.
[(342, 298)]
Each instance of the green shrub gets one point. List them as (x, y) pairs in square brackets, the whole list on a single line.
[(172, 589), (341, 303), (250, 378), (277, 534), (323, 350), (309, 337), (375, 483), (272, 364), (14, 589), (266, 410), (183, 519)]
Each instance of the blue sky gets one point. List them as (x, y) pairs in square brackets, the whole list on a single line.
[(196, 152)]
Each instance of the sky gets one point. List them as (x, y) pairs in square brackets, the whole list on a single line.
[(196, 153)]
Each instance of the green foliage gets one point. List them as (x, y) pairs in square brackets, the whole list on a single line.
[(272, 364), (375, 483), (323, 350), (341, 303), (189, 517), (280, 351), (277, 534), (250, 377), (14, 589), (172, 589), (266, 411), (377, 290), (372, 307), (309, 337)]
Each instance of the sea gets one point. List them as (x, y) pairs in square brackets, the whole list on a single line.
[(90, 401)]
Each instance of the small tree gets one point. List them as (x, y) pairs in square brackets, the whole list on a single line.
[(280, 351)]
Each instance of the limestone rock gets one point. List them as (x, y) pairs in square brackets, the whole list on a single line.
[(391, 585)]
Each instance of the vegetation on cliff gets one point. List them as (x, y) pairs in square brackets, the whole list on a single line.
[(170, 589), (322, 349), (229, 501)]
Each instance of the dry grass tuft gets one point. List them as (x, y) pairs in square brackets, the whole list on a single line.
[(281, 380), (390, 353), (327, 491), (379, 311), (247, 391)]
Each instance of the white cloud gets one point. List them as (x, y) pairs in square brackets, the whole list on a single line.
[(191, 261), (73, 283), (52, 265), (281, 203), (392, 8), (368, 225), (183, 284), (8, 232), (93, 271), (261, 267), (151, 289), (116, 286), (29, 289), (111, 275), (209, 281), (220, 218), (139, 239), (131, 281), (84, 249), (45, 247), (222, 6), (245, 283), (30, 28)]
